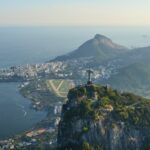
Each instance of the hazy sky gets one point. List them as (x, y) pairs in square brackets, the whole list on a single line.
[(75, 12)]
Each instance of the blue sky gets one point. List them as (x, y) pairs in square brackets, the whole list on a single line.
[(75, 12)]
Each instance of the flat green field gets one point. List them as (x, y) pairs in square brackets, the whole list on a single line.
[(60, 87), (66, 86), (56, 82)]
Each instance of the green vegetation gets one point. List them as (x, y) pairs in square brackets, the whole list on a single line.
[(90, 107), (126, 107), (85, 129), (105, 101), (87, 146), (85, 110)]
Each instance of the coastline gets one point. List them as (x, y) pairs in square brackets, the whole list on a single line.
[(44, 130), (16, 113)]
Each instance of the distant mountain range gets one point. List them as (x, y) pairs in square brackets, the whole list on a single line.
[(133, 73), (128, 69)]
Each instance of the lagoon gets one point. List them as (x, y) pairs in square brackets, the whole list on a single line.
[(16, 115)]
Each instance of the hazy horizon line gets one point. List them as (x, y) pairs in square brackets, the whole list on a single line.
[(131, 26)]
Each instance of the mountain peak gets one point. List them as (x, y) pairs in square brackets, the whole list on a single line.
[(99, 47), (100, 37), (105, 41)]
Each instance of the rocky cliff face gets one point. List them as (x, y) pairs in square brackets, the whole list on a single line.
[(99, 118)]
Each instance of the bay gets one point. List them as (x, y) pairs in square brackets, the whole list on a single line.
[(16, 116)]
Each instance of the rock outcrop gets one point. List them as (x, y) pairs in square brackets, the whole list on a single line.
[(100, 118)]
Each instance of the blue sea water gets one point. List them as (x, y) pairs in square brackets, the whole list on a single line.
[(25, 45)]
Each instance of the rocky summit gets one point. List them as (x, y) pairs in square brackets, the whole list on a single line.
[(99, 118)]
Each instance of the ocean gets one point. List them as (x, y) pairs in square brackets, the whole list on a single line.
[(26, 45), (30, 45)]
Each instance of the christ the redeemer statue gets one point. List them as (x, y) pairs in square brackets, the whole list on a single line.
[(89, 72)]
